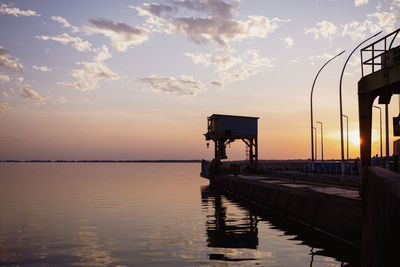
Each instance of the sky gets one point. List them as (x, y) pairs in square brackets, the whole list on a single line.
[(132, 80)]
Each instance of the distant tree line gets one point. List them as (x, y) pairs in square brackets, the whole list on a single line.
[(110, 161)]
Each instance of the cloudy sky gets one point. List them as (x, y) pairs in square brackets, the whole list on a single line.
[(129, 79)]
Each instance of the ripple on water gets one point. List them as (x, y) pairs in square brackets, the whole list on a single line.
[(93, 214)]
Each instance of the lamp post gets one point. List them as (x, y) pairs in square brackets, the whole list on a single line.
[(380, 125), (347, 127), (322, 143), (311, 108), (316, 154), (340, 97)]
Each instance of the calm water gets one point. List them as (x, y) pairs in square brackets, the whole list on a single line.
[(135, 214)]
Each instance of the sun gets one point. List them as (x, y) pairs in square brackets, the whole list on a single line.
[(354, 138)]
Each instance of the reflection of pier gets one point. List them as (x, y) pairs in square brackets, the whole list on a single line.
[(221, 227), (331, 209), (226, 232)]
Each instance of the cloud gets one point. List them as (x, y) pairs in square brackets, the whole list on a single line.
[(102, 54), (217, 83), (382, 20), (220, 59), (4, 78), (89, 76), (30, 94), (216, 8), (16, 12), (252, 64), (59, 100), (288, 41), (61, 20), (214, 30), (4, 107), (64, 38), (186, 85), (211, 21), (324, 29), (64, 23), (231, 67), (375, 22), (355, 30), (9, 63), (322, 57), (122, 35), (41, 68), (360, 2), (154, 9)]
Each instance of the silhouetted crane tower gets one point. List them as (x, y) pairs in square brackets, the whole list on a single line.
[(225, 129)]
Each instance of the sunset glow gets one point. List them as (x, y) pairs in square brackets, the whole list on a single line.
[(136, 80)]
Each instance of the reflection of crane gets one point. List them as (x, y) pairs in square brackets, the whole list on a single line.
[(225, 129), (226, 232)]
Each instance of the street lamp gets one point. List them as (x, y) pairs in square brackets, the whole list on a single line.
[(340, 97), (322, 142), (347, 127), (316, 154), (311, 105), (380, 125)]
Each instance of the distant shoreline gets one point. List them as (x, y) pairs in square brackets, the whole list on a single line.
[(104, 161)]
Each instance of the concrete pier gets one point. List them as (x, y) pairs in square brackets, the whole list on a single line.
[(381, 218), (330, 209)]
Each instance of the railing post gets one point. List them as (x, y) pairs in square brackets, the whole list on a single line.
[(362, 63), (373, 59)]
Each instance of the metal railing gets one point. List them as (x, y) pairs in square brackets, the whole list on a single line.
[(376, 51)]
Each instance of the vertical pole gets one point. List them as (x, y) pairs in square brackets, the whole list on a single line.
[(347, 136), (347, 126), (251, 152), (322, 142), (340, 97), (322, 145), (362, 63), (316, 154), (341, 135), (256, 151), (312, 133), (387, 135), (216, 157), (380, 127)]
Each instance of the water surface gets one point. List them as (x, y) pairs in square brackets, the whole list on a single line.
[(139, 214)]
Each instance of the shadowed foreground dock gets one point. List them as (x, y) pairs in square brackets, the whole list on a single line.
[(330, 209)]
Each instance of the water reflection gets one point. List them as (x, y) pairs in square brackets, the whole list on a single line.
[(92, 251), (240, 229), (140, 215), (228, 231)]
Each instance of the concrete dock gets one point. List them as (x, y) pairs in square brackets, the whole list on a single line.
[(333, 210), (308, 186)]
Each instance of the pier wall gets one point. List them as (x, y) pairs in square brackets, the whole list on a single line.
[(381, 218), (337, 216)]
